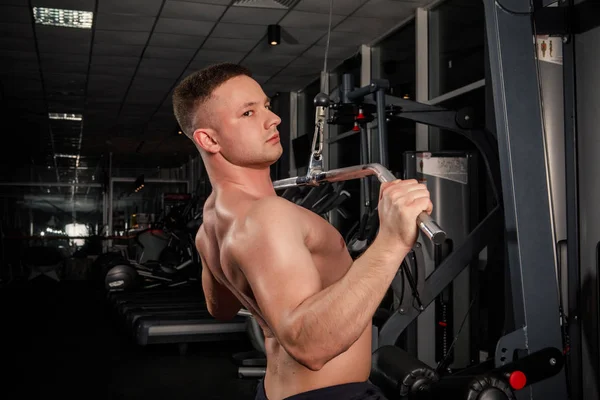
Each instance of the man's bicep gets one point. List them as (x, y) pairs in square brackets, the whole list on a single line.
[(281, 273)]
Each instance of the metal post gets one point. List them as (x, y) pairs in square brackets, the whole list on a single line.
[(325, 89), (346, 87), (574, 360), (368, 71), (382, 127), (529, 232), (294, 111), (364, 159), (422, 73), (30, 220), (104, 221), (110, 200)]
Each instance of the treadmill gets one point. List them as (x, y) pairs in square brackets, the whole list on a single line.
[(172, 315), (131, 313), (182, 328)]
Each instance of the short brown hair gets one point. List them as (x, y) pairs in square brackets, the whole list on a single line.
[(196, 88)]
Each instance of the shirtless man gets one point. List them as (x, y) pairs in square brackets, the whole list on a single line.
[(283, 263)]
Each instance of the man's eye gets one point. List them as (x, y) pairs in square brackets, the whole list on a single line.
[(268, 106), (248, 113)]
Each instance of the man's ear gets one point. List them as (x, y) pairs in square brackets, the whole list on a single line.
[(205, 138)]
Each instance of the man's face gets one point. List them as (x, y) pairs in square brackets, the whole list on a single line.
[(246, 128)]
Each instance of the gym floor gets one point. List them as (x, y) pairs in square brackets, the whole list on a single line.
[(61, 339)]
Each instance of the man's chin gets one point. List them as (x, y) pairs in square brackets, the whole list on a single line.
[(264, 164)]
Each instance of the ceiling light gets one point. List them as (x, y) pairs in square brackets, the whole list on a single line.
[(64, 116), (281, 4), (66, 155), (274, 34), (61, 17)]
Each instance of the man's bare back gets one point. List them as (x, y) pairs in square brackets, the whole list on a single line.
[(224, 218)]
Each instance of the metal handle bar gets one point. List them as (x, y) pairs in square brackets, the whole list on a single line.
[(427, 225)]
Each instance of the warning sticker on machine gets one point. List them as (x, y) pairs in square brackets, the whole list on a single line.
[(451, 168), (549, 49)]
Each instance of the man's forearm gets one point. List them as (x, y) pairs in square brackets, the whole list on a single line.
[(329, 322)]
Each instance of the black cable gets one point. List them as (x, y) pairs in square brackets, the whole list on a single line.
[(462, 325), (411, 274), (328, 38), (401, 297)]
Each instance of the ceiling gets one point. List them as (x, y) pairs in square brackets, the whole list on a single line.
[(119, 74)]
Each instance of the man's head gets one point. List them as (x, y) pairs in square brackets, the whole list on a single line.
[(225, 112)]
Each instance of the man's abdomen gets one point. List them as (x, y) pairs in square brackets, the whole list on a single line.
[(286, 377)]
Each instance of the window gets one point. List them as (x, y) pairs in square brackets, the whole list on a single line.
[(456, 45), (47, 215)]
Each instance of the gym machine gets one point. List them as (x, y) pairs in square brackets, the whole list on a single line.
[(434, 339), (164, 254), (516, 74), (529, 360)]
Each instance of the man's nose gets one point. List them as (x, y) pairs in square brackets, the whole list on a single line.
[(273, 120)]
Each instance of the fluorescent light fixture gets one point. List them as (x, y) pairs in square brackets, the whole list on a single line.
[(68, 117), (282, 4), (66, 156), (61, 17), (71, 156)]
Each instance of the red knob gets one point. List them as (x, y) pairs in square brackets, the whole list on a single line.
[(517, 380)]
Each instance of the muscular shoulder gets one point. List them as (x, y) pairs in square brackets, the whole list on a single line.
[(266, 222), (267, 214), (269, 208)]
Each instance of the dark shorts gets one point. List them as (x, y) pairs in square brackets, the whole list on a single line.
[(348, 391)]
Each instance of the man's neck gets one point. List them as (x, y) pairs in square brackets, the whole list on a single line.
[(255, 182)]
